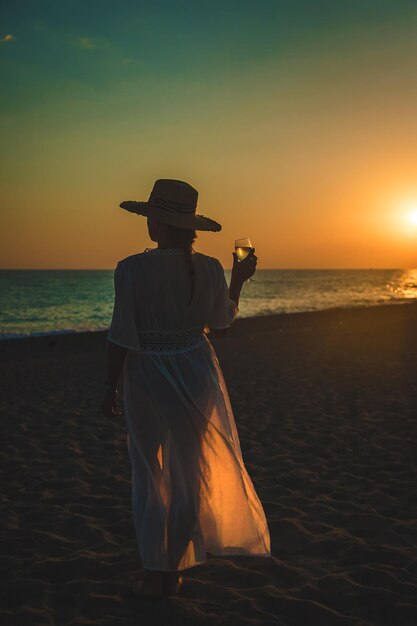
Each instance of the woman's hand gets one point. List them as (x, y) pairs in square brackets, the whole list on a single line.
[(109, 406), (242, 270)]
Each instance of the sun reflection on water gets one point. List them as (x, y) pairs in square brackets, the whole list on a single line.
[(406, 286)]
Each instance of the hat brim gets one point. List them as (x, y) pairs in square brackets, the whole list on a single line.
[(193, 222)]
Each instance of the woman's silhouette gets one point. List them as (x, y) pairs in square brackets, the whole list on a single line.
[(191, 493)]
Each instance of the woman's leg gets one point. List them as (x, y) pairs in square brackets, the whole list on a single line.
[(187, 472)]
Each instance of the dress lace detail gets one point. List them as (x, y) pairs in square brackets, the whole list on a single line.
[(165, 342)]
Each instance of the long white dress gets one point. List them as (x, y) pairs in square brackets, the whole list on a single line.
[(191, 493)]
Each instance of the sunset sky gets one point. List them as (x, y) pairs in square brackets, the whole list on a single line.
[(296, 121)]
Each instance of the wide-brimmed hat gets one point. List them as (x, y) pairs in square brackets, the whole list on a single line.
[(173, 202)]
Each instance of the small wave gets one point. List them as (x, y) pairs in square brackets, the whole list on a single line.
[(46, 333)]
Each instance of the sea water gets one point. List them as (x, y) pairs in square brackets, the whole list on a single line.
[(36, 302)]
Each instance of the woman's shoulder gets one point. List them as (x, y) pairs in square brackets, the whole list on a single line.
[(132, 259), (211, 263), (141, 257), (206, 258)]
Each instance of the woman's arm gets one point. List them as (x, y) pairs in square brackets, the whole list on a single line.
[(241, 271), (235, 287), (115, 358)]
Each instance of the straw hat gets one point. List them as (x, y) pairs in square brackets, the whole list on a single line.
[(173, 202)]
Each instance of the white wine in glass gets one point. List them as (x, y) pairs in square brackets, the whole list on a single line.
[(242, 248)]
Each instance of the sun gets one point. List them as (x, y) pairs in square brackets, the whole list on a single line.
[(412, 217), (409, 216)]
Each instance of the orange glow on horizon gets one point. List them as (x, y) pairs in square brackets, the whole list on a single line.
[(310, 152)]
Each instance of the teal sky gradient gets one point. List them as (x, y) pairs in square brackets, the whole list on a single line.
[(280, 106)]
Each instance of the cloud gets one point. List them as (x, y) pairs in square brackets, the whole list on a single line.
[(7, 38), (91, 43)]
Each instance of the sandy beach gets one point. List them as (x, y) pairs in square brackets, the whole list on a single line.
[(326, 408)]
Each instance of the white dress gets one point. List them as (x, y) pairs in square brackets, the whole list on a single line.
[(191, 493)]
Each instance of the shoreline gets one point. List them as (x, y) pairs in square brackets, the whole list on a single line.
[(257, 323)]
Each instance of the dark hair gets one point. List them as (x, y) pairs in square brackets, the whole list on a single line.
[(184, 238)]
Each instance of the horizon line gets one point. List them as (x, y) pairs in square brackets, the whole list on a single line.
[(268, 269)]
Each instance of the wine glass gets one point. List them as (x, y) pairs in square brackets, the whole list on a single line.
[(242, 248)]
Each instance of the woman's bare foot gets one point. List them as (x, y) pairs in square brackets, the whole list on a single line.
[(150, 584), (154, 584), (172, 583)]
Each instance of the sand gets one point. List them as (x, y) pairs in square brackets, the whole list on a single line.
[(326, 408)]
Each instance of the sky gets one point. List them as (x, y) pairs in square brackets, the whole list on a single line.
[(295, 121)]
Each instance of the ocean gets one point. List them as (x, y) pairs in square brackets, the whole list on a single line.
[(35, 302)]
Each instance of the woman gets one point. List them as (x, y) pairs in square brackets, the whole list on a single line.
[(191, 493)]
